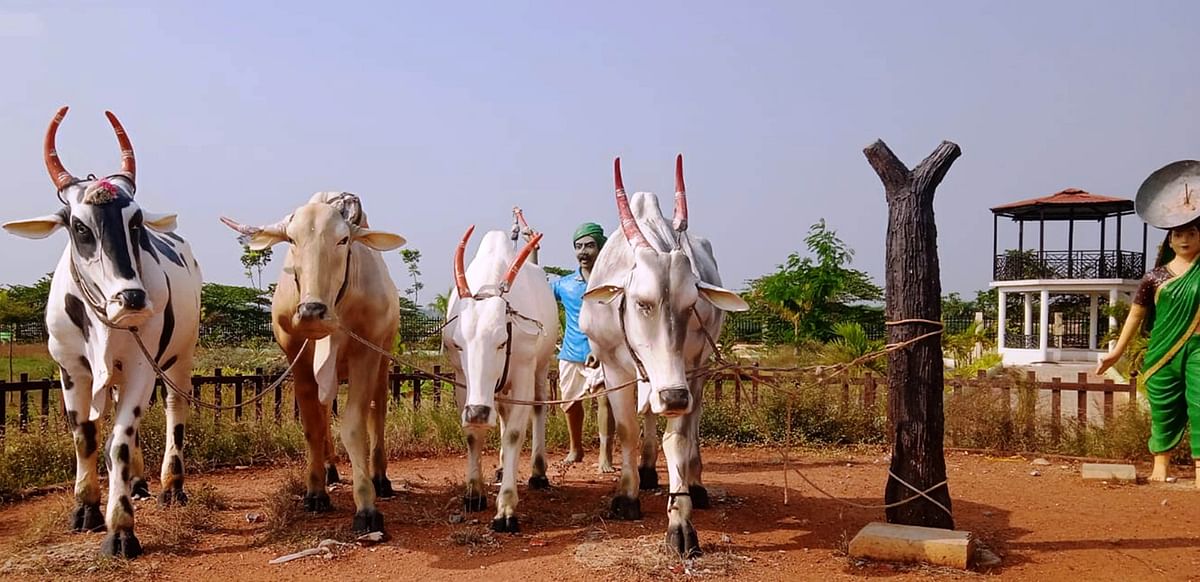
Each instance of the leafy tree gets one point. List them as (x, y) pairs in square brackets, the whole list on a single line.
[(441, 303), (850, 342), (559, 271), (814, 293), (20, 304), (230, 314), (412, 260), (253, 262)]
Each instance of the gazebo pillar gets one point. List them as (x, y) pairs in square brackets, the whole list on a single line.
[(1001, 319), (1028, 328), (1093, 320), (1044, 330), (1112, 320)]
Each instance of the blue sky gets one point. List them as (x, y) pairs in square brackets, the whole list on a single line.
[(442, 115)]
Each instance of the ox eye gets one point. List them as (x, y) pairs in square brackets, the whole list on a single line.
[(344, 240), (82, 229)]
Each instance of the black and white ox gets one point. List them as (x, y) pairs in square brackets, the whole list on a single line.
[(501, 342), (334, 283), (123, 267), (653, 296)]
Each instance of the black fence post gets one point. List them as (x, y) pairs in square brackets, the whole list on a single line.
[(394, 380), (237, 398), (46, 403), (24, 411), (258, 390), (437, 385)]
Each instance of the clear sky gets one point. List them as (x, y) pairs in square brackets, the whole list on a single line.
[(442, 115)]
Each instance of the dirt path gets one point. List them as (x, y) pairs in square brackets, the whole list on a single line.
[(1051, 526)]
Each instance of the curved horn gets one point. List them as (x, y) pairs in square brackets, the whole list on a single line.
[(681, 217), (511, 275), (128, 163), (628, 225), (58, 174), (460, 273)]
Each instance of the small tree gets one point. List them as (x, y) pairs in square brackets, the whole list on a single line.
[(815, 294), (253, 263), (412, 260)]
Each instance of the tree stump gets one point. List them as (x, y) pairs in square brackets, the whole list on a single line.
[(913, 290)]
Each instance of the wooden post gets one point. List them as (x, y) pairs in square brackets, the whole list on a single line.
[(1055, 411), (217, 395), (258, 390), (437, 385), (23, 417), (394, 379), (915, 374)]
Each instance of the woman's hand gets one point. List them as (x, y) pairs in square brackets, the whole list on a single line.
[(1107, 361)]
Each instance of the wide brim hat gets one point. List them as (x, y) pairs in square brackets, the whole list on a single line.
[(1170, 197)]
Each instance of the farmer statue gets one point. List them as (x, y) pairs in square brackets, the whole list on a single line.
[(579, 372), (1168, 299)]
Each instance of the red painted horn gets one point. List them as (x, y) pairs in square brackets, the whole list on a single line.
[(511, 275), (460, 272), (128, 163), (58, 174), (628, 225), (681, 215)]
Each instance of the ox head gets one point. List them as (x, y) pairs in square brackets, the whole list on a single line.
[(489, 335), (657, 301), (320, 236), (106, 229)]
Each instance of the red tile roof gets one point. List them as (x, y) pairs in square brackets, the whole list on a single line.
[(1062, 205)]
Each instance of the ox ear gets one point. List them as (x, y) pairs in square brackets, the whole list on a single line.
[(159, 222), (378, 239), (259, 237), (40, 227), (527, 326), (603, 293), (724, 299)]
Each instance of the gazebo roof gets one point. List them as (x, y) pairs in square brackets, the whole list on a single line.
[(1070, 204)]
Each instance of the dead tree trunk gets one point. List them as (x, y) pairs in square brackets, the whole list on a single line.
[(915, 376)]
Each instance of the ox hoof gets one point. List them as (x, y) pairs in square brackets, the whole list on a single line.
[(140, 490), (87, 517), (367, 521), (317, 502), (383, 487), (121, 544), (539, 482), (647, 478), (506, 525), (474, 503), (682, 539), (172, 495), (699, 497), (331, 475), (626, 508)]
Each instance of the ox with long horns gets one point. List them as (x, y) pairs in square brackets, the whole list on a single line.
[(501, 342), (334, 293), (124, 272), (653, 304)]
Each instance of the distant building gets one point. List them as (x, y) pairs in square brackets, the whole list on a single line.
[(1091, 275)]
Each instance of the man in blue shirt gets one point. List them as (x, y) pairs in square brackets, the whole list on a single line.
[(578, 371)]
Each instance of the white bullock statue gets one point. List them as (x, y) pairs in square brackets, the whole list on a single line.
[(504, 324), (124, 272), (654, 302), (334, 283)]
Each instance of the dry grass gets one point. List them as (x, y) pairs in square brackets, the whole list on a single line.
[(649, 558), (283, 508), (476, 539), (177, 529)]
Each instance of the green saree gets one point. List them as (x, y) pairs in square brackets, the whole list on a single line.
[(1176, 317)]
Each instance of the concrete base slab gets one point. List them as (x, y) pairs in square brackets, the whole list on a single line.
[(909, 543), (1108, 472)]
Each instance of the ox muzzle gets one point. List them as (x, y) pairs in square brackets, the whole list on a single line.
[(477, 415), (671, 401)]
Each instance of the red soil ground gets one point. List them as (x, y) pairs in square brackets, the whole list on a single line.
[(1053, 526)]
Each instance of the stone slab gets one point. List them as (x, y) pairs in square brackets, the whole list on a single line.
[(1108, 472), (909, 543)]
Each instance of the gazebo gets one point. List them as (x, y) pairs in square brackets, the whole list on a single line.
[(1091, 272)]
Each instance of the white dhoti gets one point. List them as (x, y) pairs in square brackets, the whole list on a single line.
[(576, 381)]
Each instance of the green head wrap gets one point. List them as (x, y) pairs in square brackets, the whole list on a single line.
[(593, 230)]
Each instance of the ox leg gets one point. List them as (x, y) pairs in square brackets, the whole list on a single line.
[(376, 423), (356, 439), (139, 489), (77, 400), (696, 489), (647, 474), (537, 477), (121, 540), (475, 498), (315, 419), (331, 472), (604, 418), (512, 436), (177, 412), (681, 535), (623, 403)]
